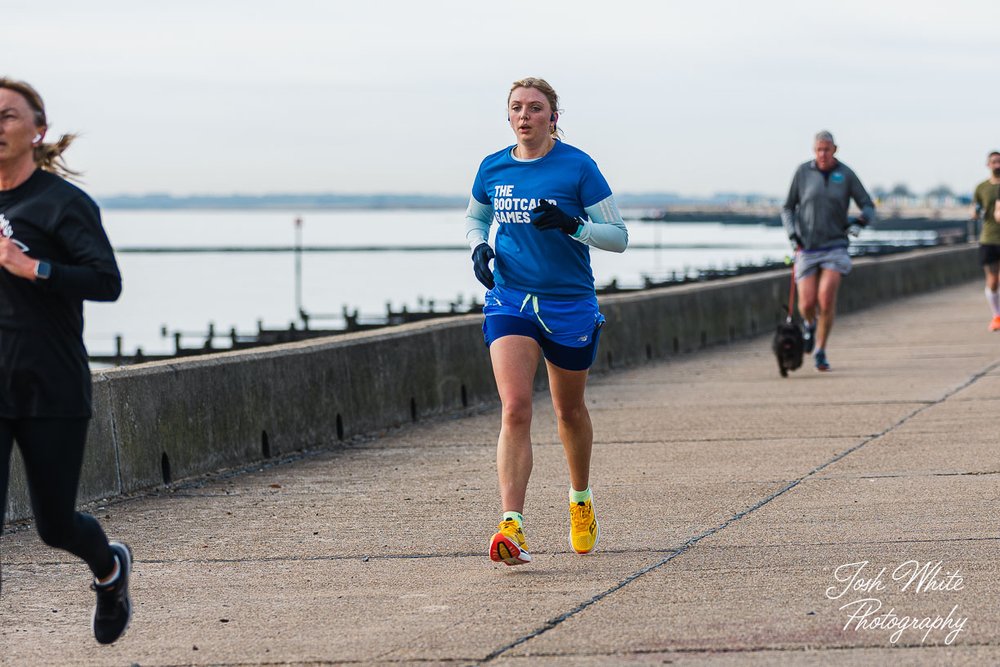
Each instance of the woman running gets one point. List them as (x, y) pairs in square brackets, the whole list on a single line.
[(53, 255), (550, 203)]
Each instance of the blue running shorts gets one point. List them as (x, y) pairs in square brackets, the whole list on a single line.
[(567, 331)]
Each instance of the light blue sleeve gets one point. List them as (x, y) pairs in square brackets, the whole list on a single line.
[(605, 229), (477, 222)]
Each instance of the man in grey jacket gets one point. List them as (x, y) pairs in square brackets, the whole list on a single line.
[(815, 219)]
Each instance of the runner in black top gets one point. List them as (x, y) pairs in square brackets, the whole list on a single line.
[(53, 255)]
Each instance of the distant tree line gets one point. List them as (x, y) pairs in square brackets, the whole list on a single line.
[(902, 192)]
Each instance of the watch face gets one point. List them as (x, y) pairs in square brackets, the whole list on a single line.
[(44, 270)]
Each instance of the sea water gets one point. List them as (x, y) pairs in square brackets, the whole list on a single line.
[(429, 260)]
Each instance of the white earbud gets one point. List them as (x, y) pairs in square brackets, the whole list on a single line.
[(37, 138)]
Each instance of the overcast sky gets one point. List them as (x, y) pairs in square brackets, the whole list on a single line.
[(408, 96)]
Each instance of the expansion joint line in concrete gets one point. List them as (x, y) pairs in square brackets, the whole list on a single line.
[(116, 446), (554, 622)]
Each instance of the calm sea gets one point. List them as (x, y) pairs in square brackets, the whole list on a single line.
[(187, 291)]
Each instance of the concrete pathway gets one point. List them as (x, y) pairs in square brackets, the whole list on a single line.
[(735, 507)]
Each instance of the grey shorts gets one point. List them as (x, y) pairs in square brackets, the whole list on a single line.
[(807, 262)]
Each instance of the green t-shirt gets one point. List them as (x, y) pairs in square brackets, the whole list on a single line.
[(986, 197)]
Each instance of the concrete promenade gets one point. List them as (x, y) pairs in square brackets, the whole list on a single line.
[(728, 499)]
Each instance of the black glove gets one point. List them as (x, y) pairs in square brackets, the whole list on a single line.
[(796, 241), (549, 216), (481, 257)]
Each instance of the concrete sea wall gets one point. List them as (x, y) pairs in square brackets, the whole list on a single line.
[(161, 422)]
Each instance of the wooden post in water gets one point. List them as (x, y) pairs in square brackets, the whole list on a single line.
[(298, 269)]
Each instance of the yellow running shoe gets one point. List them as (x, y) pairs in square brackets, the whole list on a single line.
[(508, 545), (584, 531)]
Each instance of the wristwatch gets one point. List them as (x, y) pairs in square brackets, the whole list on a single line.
[(43, 270)]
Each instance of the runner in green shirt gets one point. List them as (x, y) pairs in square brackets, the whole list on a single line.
[(985, 200)]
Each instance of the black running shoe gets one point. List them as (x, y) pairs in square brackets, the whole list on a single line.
[(114, 607), (821, 362), (808, 338)]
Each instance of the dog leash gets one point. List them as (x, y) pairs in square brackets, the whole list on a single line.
[(791, 294)]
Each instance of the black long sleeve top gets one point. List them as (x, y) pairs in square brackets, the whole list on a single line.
[(43, 361)]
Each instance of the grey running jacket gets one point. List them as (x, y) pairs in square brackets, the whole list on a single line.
[(816, 208)]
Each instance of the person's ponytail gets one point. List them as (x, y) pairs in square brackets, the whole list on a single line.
[(48, 156)]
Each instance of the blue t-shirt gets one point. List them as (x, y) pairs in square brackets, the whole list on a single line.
[(545, 263)]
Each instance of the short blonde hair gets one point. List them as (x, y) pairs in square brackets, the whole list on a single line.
[(542, 86), (48, 156)]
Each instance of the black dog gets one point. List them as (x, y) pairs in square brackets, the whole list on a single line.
[(788, 346)]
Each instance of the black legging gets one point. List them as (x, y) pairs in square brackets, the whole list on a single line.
[(52, 451)]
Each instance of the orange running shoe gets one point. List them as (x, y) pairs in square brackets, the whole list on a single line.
[(508, 544), (995, 323)]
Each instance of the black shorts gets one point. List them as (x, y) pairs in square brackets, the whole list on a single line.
[(989, 254)]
